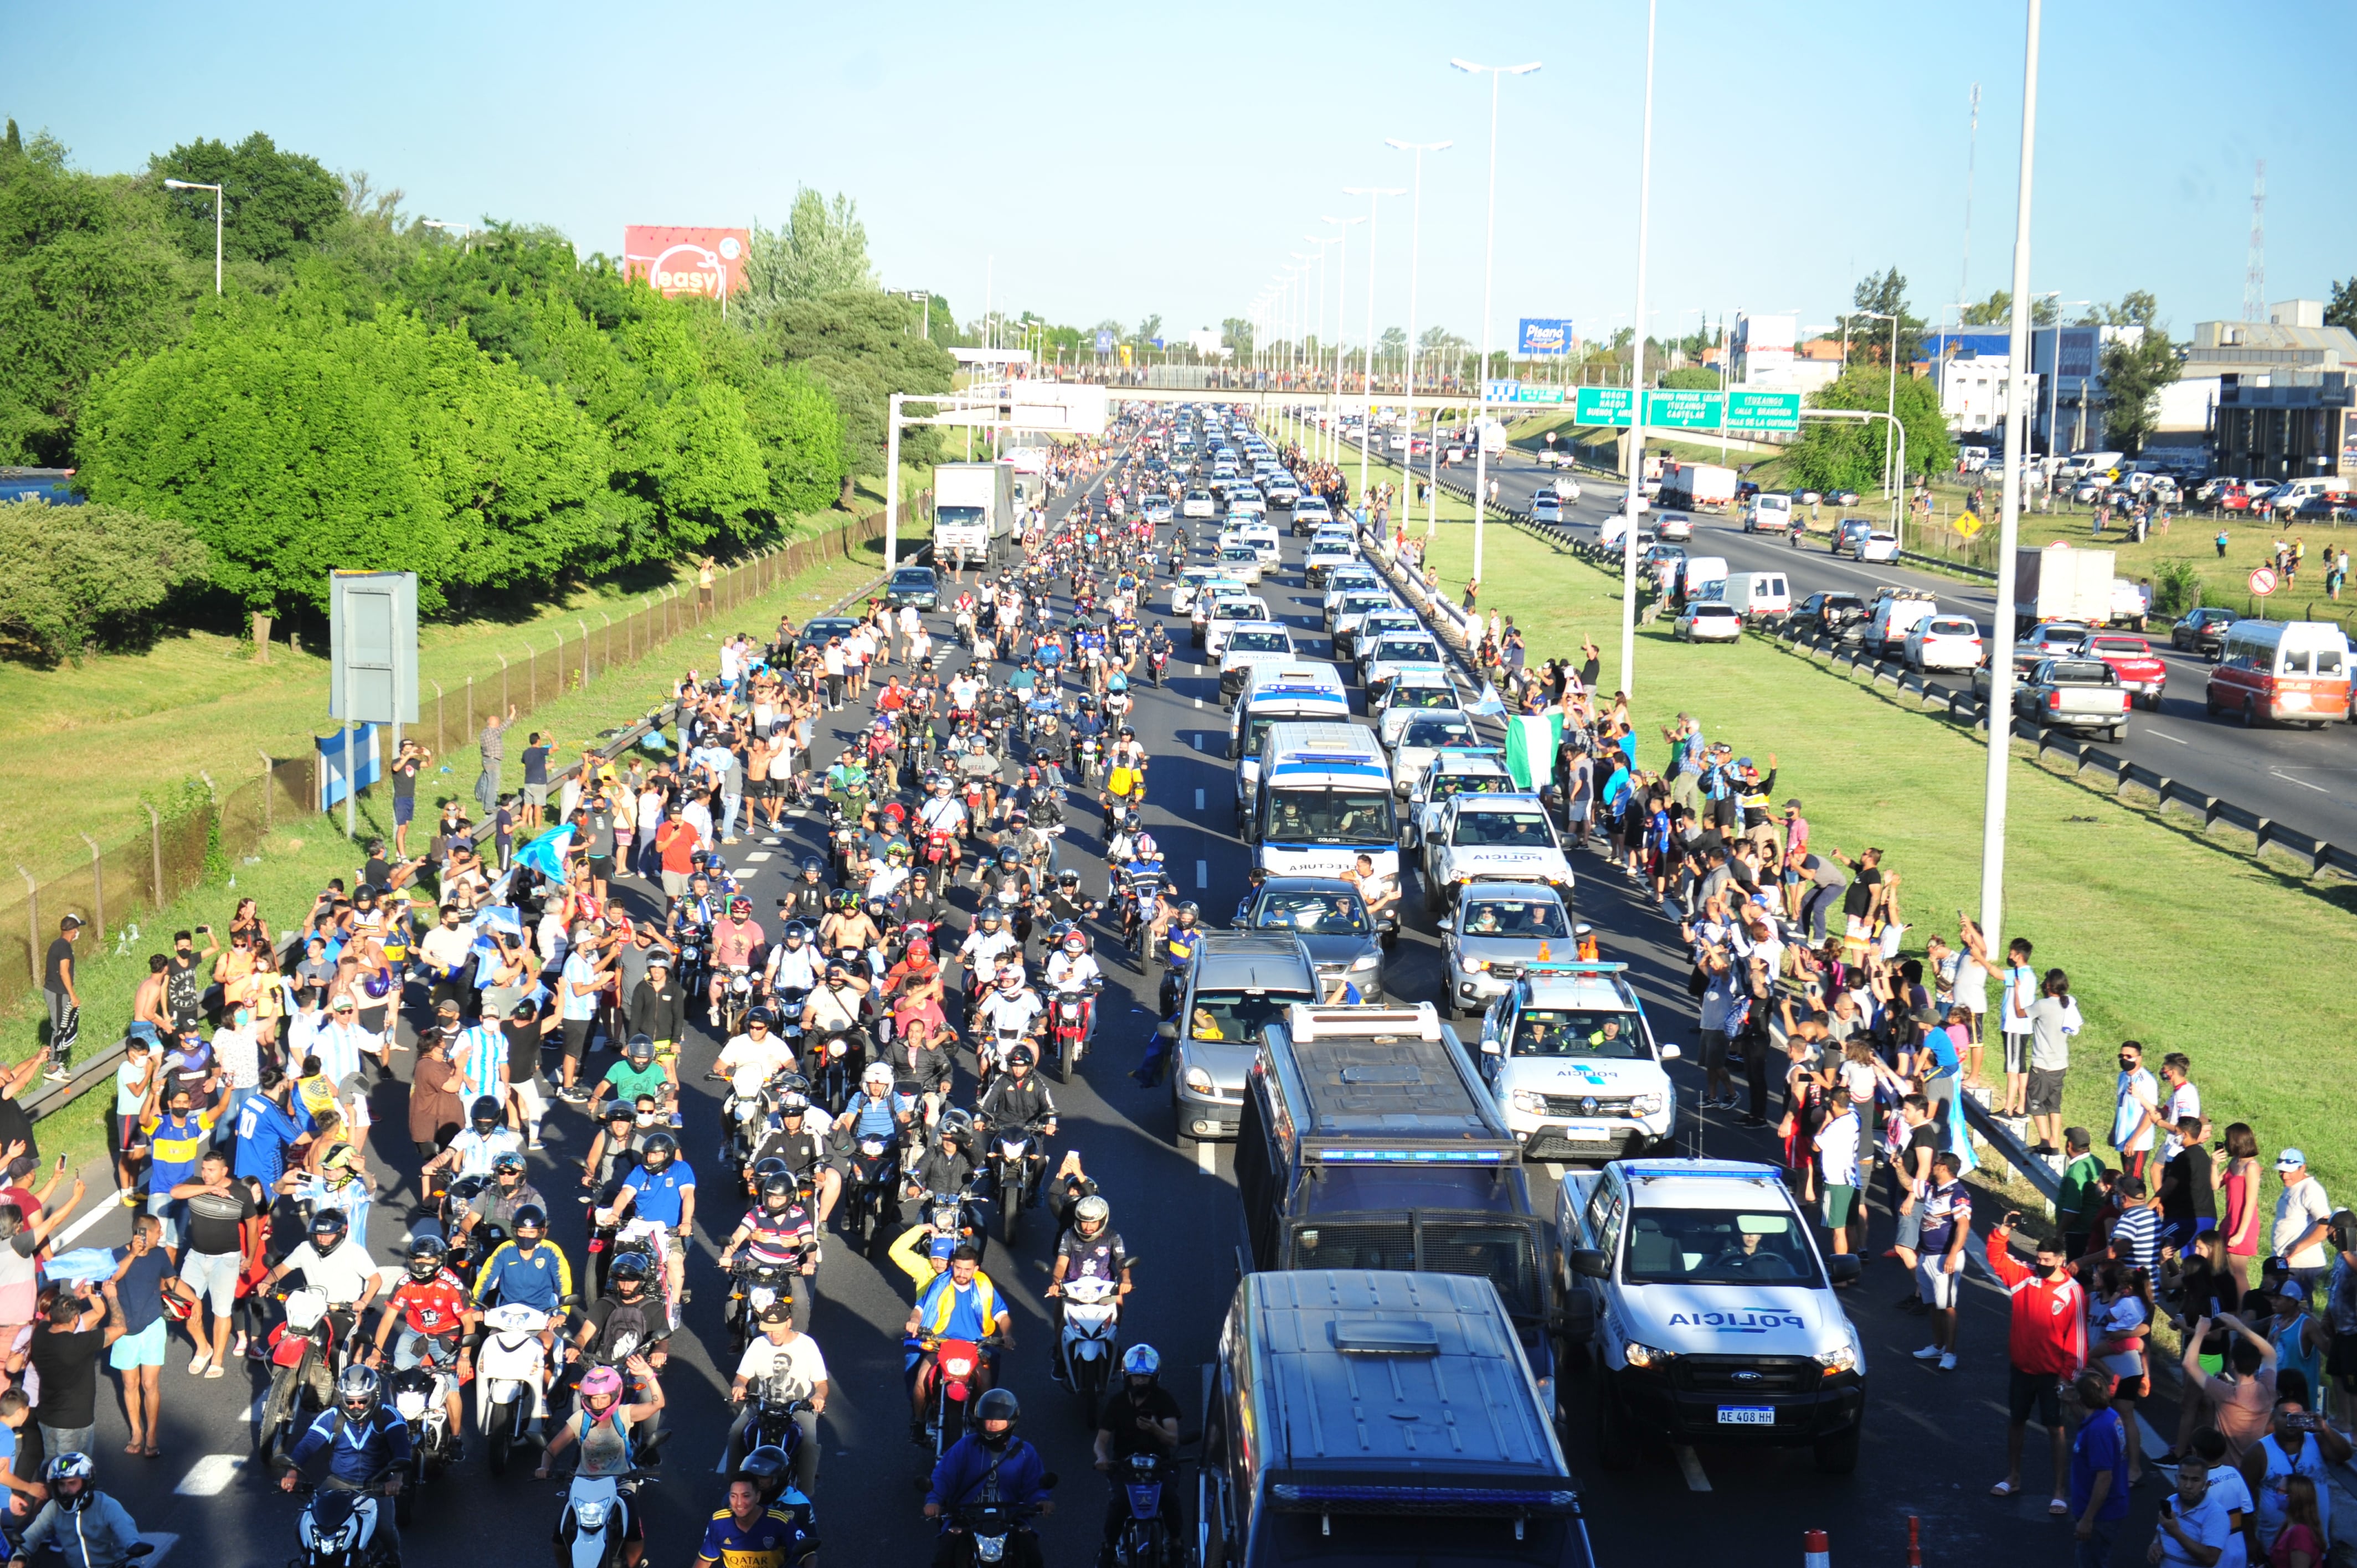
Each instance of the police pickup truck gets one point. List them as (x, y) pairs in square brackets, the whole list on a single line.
[(1711, 1312)]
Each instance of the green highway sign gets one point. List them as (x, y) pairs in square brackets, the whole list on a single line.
[(1523, 393), (1763, 411), (1601, 405), (1685, 410)]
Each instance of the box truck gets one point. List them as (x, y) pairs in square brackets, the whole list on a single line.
[(2063, 583), (973, 506), (1698, 487)]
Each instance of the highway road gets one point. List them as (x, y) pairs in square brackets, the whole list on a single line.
[(2306, 780), (1936, 1442)]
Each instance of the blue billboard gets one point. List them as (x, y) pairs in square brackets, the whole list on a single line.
[(1543, 336)]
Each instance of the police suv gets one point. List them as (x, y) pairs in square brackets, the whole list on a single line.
[(1490, 838), (1574, 1064)]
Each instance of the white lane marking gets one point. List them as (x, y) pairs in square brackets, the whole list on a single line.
[(210, 1476), (757, 857), (1206, 1158), (1690, 1468), (1195, 740), (1198, 799), (1203, 874), (2303, 783), (1198, 702), (74, 1232), (2164, 735)]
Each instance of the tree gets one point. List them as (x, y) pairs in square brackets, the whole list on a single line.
[(856, 345), (1996, 310), (1392, 344), (1870, 338), (83, 575), (2134, 373), (1236, 337), (1691, 378), (820, 250), (2342, 310), (275, 203), (1149, 330), (1846, 453)]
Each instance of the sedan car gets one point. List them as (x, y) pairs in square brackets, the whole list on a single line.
[(1198, 503), (1239, 561), (1877, 544), (1330, 918), (1157, 509), (915, 585), (1707, 621), (1841, 497), (1944, 642), (1428, 734), (1674, 525), (819, 631), (1546, 508), (2202, 631), (1497, 929)]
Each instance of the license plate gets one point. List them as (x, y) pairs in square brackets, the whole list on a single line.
[(1746, 1415)]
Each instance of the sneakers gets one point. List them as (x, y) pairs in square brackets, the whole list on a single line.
[(1948, 1362), (1933, 1353)]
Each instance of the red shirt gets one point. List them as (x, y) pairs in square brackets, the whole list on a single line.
[(2048, 1332), (435, 1307), (677, 842)]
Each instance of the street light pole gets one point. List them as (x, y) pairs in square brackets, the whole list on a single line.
[(1374, 195), (1414, 260), (219, 202), (1489, 268), (2000, 703), (1637, 378)]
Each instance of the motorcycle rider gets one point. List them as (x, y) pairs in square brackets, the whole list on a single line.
[(625, 1321), (986, 948), (794, 963), (959, 1303), (801, 1140), (477, 1149), (600, 1423), (990, 1462), (780, 1349), (776, 1234), (366, 1445), (436, 1320), (849, 925), (1158, 651), (80, 1523), (663, 1189), (497, 1204), (837, 1007), (806, 899), (1007, 1015), (1072, 971), (734, 938), (1178, 943), (334, 1264), (877, 1110), (527, 1269), (1017, 1100), (1140, 1417)]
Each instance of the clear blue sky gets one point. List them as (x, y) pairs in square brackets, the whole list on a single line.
[(1120, 160)]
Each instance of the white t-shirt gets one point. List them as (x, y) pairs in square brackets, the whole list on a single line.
[(2299, 1208), (2230, 1492), (342, 1275), (751, 1063), (798, 1359), (1837, 1150)]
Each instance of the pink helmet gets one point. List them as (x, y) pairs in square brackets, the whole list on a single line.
[(601, 1381)]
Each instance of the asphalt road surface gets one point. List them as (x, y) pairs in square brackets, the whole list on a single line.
[(1936, 1442), (2306, 780)]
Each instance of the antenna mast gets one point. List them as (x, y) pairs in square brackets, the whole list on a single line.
[(2254, 271)]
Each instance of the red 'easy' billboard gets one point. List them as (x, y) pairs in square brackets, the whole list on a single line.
[(709, 262)]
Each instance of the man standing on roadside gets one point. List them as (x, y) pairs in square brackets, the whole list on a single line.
[(2047, 1345), (64, 997), (2136, 1111), (494, 749), (1947, 1224), (2303, 1226)]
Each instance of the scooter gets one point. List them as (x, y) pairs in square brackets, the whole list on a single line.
[(302, 1354), (1092, 1336), (338, 1529), (597, 1517), (510, 1379)]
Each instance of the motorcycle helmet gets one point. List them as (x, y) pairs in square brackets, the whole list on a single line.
[(357, 1391), (630, 1269), (797, 933), (989, 916), (1022, 1057), (997, 1405), (1008, 854), (877, 908), (919, 947), (766, 1467), (485, 1115), (509, 1163), (530, 1216), (1146, 848), (70, 1466), (426, 1256), (1141, 1360), (813, 866), (1074, 939), (740, 909), (1068, 878), (1189, 912), (640, 1051), (896, 850), (791, 1104), (758, 1018), (1092, 1210), (618, 1112), (661, 1150), (600, 1383), (328, 1228), (778, 1190)]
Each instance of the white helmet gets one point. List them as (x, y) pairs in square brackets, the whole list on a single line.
[(1146, 848)]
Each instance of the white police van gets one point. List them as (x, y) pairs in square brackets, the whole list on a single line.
[(1297, 691), (1710, 1311), (1568, 1053), (1324, 800)]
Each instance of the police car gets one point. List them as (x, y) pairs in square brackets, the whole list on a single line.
[(1565, 1047), (1453, 771), (1710, 1311), (1490, 838)]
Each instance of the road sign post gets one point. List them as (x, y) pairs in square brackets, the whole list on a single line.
[(1601, 405), (373, 662), (1763, 411)]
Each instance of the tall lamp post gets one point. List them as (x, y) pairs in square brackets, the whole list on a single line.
[(1637, 377), (1341, 316), (1489, 267), (1319, 437), (1415, 244), (1374, 195), (218, 204)]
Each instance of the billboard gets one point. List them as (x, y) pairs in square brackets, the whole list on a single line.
[(1763, 349), (707, 261), (1543, 336), (2077, 354)]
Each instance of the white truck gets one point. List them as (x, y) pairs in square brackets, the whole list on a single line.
[(1698, 487), (2064, 583), (973, 507)]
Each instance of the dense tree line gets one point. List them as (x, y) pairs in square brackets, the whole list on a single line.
[(491, 411)]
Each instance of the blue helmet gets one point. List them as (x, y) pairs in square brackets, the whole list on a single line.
[(1141, 1360)]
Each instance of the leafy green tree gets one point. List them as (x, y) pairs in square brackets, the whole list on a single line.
[(277, 203), (856, 344), (1996, 310), (2133, 374), (1847, 453), (1870, 338), (1236, 337), (1691, 378), (1147, 331), (2342, 309), (80, 575), (819, 249)]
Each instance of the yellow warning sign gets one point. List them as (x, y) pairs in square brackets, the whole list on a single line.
[(1968, 524)]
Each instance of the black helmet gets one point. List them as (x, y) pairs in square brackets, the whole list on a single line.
[(630, 1268), (997, 1404), (641, 1050), (509, 1163), (1191, 911), (661, 1150), (813, 866), (767, 1169), (484, 1114), (877, 908), (766, 1468), (619, 1110), (530, 1216), (1068, 877), (426, 1256), (1008, 854), (1021, 1056), (797, 933), (331, 1222), (781, 1187)]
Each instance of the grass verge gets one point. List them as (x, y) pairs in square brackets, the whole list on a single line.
[(2149, 917)]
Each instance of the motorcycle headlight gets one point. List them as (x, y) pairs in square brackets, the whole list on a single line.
[(1526, 1099), (1646, 1104), (1198, 1081), (1640, 1355), (1011, 1148), (410, 1403), (1839, 1359), (590, 1515)]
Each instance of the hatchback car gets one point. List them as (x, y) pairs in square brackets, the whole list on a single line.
[(1239, 984), (915, 585), (1674, 525), (2202, 631), (1707, 621), (1331, 921), (1545, 506), (1944, 642)]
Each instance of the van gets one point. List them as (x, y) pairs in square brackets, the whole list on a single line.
[(1300, 691), (2086, 465), (1763, 596), (1897, 613), (1694, 572), (2290, 671), (1768, 511), (1376, 1416), (1324, 798)]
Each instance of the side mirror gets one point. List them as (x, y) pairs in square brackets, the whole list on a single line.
[(1167, 1028), (1489, 1046), (1671, 1053), (1843, 1268), (1590, 1263)]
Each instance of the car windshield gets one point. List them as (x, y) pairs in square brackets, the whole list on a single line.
[(1405, 649), (957, 516), (1436, 731), (2126, 647), (1259, 642), (1470, 784), (1717, 1246), (1310, 914), (1514, 917), (1331, 816), (1600, 1033), (1506, 830), (917, 578), (1239, 1015), (1423, 697), (1239, 553)]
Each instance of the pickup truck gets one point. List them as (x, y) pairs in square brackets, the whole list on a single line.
[(2082, 694), (2132, 658)]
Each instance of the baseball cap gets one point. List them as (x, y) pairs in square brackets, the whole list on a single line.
[(942, 1247), (2290, 1160)]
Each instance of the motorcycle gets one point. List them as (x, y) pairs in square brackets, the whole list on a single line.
[(753, 1285), (1158, 660), (421, 1398), (1011, 1175), (1090, 1339), (303, 1352), (867, 1188), (957, 1364), (983, 1529), (735, 1001), (1068, 1030), (510, 1379), (775, 1402), (1116, 705), (338, 1529), (597, 1517), (957, 1215), (1085, 756), (1145, 1539)]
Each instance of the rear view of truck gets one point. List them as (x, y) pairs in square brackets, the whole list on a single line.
[(1698, 487), (974, 504)]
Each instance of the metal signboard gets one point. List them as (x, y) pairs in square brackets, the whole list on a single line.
[(1543, 336), (1763, 411), (1602, 405), (372, 653), (1685, 410)]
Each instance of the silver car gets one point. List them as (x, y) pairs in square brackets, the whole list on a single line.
[(1424, 736), (1498, 928), (1239, 983)]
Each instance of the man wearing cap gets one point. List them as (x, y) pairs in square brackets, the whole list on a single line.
[(2301, 1235)]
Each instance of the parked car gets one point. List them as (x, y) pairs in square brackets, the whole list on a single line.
[(1944, 642), (1841, 497), (2202, 631), (1846, 530), (1877, 544), (1707, 621), (1674, 525), (1835, 615)]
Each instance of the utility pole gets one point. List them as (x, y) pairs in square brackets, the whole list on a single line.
[(1972, 154)]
